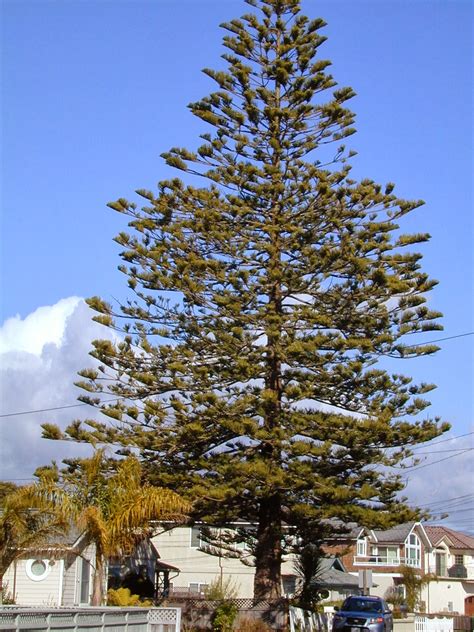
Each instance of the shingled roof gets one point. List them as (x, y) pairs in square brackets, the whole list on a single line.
[(395, 535), (456, 539)]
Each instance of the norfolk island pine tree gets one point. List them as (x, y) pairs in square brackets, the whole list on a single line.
[(247, 375)]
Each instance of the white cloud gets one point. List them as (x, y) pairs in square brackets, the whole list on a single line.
[(39, 360), (45, 325)]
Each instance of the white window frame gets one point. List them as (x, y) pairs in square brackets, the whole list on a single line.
[(413, 544), (29, 569), (362, 547)]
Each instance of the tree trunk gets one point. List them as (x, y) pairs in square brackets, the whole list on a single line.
[(98, 582), (267, 582)]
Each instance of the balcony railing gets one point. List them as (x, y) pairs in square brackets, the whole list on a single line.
[(385, 560), (457, 571)]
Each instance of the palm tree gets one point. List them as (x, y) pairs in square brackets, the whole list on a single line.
[(109, 503), (26, 522)]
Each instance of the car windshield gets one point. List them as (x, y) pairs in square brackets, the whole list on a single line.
[(362, 605)]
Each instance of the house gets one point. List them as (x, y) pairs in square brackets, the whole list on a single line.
[(62, 574), (383, 552), (187, 548), (451, 560), (178, 562), (445, 554), (334, 581), (59, 575)]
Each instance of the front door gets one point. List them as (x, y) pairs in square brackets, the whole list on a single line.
[(469, 606)]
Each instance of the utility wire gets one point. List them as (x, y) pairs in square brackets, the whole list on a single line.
[(46, 410), (419, 467), (467, 434), (448, 500), (468, 333)]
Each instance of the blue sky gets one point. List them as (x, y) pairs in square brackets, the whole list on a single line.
[(94, 91)]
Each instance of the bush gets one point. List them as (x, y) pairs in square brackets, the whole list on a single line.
[(224, 616), (123, 597), (7, 598)]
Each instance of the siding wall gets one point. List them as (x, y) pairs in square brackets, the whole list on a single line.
[(197, 567), (43, 592)]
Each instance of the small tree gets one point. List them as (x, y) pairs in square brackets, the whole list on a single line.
[(308, 566), (263, 301), (413, 583)]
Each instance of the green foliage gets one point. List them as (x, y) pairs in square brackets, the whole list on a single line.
[(6, 488), (308, 567), (413, 583), (123, 597), (222, 589), (27, 522), (6, 597), (271, 297), (224, 616), (393, 596)]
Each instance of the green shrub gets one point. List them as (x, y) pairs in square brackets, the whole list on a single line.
[(224, 616)]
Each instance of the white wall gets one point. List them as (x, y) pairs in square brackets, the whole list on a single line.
[(44, 591), (438, 595)]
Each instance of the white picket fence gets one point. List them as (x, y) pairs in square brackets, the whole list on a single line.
[(16, 619), (308, 621), (435, 624)]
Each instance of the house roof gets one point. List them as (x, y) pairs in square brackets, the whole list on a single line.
[(457, 539), (395, 535), (332, 574)]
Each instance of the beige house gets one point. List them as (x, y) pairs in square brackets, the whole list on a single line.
[(181, 547)]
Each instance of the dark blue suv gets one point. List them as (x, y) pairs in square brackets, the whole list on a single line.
[(363, 614)]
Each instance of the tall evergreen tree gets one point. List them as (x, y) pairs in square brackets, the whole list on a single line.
[(263, 300)]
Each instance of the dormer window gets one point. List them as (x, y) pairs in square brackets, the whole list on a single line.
[(413, 551)]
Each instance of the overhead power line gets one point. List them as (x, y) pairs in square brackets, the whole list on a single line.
[(468, 333), (420, 447), (47, 410)]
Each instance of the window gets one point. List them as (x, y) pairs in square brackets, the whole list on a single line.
[(85, 571), (388, 555), (362, 547), (440, 563), (459, 560), (197, 588), (37, 569), (195, 537), (413, 551)]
